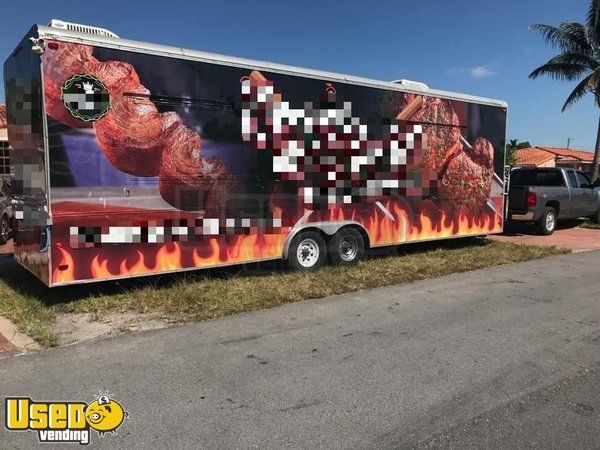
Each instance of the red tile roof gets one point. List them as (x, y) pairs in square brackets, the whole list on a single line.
[(533, 156), (3, 123), (566, 154)]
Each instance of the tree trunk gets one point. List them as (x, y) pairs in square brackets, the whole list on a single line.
[(596, 155)]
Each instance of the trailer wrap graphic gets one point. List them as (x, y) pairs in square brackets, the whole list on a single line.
[(334, 157), (197, 164)]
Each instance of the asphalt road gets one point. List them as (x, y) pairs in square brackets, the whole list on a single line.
[(503, 357)]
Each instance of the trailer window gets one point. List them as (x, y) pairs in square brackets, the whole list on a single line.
[(537, 178), (183, 102)]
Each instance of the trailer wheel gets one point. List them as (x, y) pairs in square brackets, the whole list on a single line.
[(346, 247), (547, 223), (4, 230), (307, 251)]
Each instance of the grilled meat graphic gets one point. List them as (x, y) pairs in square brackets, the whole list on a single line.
[(464, 171), (133, 135), (337, 158), (334, 157)]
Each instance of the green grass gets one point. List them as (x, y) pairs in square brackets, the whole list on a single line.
[(589, 224), (209, 294)]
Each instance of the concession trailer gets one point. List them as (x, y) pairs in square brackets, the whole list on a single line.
[(130, 158)]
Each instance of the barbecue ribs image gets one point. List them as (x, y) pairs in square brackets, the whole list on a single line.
[(334, 156), (338, 158), (464, 171)]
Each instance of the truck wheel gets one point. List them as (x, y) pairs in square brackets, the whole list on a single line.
[(307, 251), (346, 247), (595, 217), (4, 230), (547, 223)]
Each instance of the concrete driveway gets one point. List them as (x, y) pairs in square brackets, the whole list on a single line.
[(498, 357), (566, 236)]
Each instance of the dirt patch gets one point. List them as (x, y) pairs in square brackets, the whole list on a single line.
[(72, 328)]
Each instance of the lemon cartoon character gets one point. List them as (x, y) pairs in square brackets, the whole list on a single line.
[(105, 415)]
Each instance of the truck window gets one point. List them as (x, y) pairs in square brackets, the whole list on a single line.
[(584, 181), (572, 179), (536, 178)]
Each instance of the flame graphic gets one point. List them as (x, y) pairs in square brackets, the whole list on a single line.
[(399, 228), (401, 225), (65, 269), (169, 256)]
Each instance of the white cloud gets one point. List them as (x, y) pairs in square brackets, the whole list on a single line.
[(475, 72), (482, 71)]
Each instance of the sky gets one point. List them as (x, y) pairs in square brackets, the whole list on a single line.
[(479, 47)]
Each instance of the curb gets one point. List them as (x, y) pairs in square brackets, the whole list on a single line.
[(12, 342)]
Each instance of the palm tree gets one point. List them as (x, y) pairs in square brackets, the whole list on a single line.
[(579, 60)]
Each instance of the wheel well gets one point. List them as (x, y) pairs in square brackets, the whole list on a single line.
[(324, 235), (554, 205)]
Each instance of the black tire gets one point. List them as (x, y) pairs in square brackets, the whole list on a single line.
[(547, 223), (595, 217), (4, 230), (346, 247), (307, 251)]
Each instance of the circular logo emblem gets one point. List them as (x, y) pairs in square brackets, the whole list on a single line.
[(86, 97)]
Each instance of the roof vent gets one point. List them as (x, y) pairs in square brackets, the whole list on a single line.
[(409, 83), (78, 28)]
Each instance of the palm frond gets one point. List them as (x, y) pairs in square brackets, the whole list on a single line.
[(577, 34), (551, 34), (575, 58), (593, 22), (560, 71), (582, 88), (569, 36)]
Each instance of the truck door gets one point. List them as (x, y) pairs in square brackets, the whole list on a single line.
[(588, 195), (576, 195)]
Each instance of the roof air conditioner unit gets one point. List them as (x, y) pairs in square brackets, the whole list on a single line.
[(78, 28), (410, 83)]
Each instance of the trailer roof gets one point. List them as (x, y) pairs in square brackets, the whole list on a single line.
[(181, 53)]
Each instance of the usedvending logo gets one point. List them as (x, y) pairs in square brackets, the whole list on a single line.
[(66, 422), (86, 97)]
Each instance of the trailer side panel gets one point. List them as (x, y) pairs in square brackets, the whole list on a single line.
[(161, 164)]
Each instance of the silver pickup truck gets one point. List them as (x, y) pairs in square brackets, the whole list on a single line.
[(543, 196)]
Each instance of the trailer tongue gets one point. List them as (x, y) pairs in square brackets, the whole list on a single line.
[(134, 159)]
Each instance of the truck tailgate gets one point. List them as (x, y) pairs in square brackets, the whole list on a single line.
[(516, 198)]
